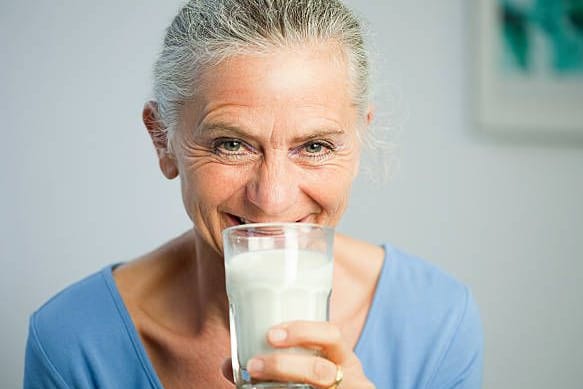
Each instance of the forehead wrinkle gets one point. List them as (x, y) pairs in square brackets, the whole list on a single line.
[(252, 119), (209, 110), (222, 127), (318, 134), (274, 117)]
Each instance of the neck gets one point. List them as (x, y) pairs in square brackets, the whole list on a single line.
[(208, 269), (190, 285)]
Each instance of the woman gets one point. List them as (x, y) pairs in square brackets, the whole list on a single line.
[(260, 110)]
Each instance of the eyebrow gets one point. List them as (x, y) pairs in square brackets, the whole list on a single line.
[(221, 127)]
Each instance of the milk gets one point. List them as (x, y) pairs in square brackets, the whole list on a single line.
[(269, 287)]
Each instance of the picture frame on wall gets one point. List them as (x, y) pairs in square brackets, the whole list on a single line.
[(529, 65)]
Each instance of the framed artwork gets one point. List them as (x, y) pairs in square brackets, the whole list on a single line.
[(530, 65)]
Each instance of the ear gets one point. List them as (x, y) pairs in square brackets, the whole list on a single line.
[(159, 137), (369, 115), (368, 118)]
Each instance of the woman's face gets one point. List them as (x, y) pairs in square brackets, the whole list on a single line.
[(268, 139)]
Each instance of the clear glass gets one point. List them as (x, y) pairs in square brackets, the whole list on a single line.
[(275, 272)]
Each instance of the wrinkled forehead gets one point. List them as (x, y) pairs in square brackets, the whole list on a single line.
[(295, 59), (301, 84)]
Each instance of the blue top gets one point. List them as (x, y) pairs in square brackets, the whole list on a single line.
[(423, 330)]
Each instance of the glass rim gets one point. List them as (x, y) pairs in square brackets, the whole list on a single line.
[(295, 225)]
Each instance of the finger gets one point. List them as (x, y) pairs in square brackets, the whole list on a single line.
[(322, 336), (307, 369), (227, 370)]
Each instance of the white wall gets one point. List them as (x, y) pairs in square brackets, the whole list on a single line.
[(80, 186)]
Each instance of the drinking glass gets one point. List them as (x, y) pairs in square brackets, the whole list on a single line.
[(275, 273)]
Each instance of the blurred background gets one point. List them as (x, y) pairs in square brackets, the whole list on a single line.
[(499, 208)]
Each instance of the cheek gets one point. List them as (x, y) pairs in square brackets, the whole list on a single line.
[(330, 188), (208, 186)]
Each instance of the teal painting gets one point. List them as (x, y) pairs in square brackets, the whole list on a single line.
[(541, 37)]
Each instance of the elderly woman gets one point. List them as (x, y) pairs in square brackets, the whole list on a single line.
[(260, 110)]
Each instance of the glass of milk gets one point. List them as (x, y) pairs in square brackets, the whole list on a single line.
[(275, 273)]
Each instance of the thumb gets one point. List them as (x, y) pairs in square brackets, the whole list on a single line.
[(227, 370)]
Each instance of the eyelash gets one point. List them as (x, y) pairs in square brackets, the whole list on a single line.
[(330, 148), (217, 147), (219, 150)]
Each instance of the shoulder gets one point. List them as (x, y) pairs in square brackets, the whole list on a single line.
[(62, 327), (71, 308), (429, 319), (422, 280), (78, 336), (419, 290), (49, 338), (74, 311)]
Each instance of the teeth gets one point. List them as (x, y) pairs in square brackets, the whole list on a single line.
[(242, 220)]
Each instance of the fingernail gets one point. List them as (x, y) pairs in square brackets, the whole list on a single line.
[(255, 365), (277, 335)]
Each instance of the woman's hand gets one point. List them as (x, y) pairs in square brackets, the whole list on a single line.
[(318, 371)]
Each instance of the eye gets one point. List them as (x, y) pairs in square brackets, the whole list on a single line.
[(315, 151), (230, 145), (314, 147), (233, 149), (317, 148)]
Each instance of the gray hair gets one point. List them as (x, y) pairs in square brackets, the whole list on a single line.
[(207, 31)]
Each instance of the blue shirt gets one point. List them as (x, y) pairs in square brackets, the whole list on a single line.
[(423, 330)]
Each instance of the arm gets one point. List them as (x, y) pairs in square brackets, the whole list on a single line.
[(462, 361), (39, 372)]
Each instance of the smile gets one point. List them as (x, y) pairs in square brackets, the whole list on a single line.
[(235, 220)]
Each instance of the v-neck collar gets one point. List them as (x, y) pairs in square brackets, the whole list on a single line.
[(140, 350)]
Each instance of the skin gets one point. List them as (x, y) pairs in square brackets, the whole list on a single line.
[(266, 138)]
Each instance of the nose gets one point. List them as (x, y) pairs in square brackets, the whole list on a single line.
[(274, 188)]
